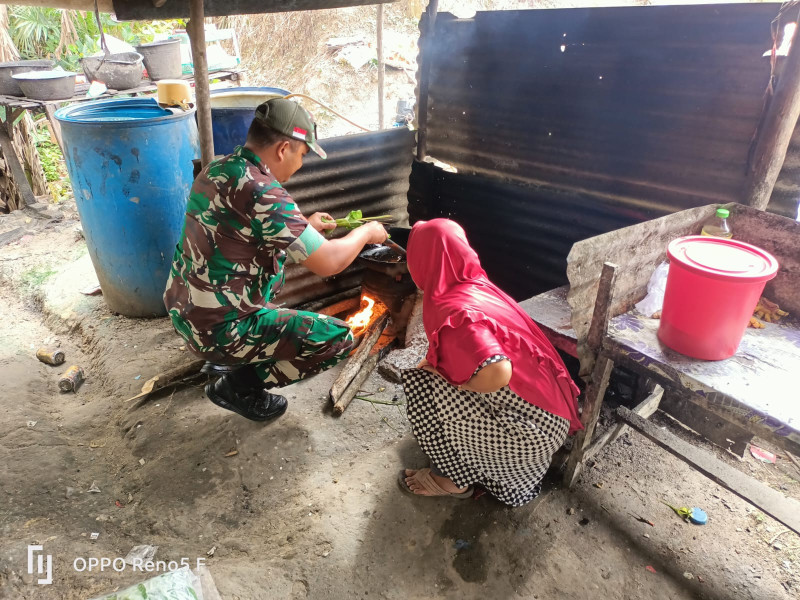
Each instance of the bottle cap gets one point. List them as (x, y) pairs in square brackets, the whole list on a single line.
[(723, 213)]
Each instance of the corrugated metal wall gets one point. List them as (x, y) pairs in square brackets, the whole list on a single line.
[(369, 172), (569, 123)]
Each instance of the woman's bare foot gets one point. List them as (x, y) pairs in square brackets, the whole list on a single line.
[(443, 482)]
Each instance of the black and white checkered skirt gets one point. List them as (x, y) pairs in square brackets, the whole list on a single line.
[(496, 440)]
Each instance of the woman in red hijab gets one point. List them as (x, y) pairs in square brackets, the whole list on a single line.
[(492, 401)]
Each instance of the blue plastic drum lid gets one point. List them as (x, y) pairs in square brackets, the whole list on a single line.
[(232, 111), (130, 164)]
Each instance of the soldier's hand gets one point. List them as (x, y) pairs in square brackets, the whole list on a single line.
[(375, 232), (322, 221)]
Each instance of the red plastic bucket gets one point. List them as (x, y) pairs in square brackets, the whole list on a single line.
[(712, 289)]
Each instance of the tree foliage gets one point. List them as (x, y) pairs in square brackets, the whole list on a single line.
[(66, 36)]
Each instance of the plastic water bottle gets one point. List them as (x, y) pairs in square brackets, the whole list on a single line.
[(717, 226)]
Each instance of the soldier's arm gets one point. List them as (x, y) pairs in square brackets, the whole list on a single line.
[(334, 256)]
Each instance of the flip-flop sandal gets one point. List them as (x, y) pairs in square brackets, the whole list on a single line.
[(423, 477)]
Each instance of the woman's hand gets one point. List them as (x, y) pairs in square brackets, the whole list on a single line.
[(322, 221)]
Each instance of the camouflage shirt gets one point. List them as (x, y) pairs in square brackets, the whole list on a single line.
[(240, 227)]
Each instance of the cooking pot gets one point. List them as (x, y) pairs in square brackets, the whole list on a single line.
[(384, 258)]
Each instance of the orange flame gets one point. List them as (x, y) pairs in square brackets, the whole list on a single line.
[(360, 320)]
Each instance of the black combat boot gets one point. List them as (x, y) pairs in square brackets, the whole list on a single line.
[(239, 392)]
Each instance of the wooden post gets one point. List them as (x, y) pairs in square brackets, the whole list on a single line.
[(424, 79), (381, 69), (20, 191), (591, 412), (602, 307), (776, 132), (55, 126), (644, 409), (596, 390), (197, 36)]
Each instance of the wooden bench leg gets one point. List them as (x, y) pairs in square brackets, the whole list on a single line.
[(591, 412), (644, 409)]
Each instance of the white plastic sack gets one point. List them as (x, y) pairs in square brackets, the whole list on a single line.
[(180, 584), (654, 301)]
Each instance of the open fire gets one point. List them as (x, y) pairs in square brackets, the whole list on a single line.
[(359, 321)]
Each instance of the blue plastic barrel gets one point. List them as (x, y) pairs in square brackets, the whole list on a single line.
[(130, 164), (232, 111)]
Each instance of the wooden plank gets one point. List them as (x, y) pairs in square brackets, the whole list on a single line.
[(711, 426), (637, 250), (550, 310), (11, 236), (591, 412), (780, 236), (644, 409), (764, 498), (145, 87)]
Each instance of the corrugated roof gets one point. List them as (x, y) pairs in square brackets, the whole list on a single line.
[(179, 9)]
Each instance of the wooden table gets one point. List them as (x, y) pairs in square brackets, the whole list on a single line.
[(756, 391), (758, 388)]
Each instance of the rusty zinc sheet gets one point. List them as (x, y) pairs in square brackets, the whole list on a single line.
[(564, 124), (648, 104)]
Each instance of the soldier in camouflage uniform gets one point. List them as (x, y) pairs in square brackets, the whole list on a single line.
[(241, 227)]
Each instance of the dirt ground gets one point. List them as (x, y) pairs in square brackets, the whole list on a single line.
[(309, 505)]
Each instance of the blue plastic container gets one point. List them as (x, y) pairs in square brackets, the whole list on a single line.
[(232, 111), (130, 164)]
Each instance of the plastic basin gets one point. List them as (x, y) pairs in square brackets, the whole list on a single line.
[(8, 85), (47, 85)]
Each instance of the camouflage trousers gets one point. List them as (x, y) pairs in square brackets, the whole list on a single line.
[(283, 345)]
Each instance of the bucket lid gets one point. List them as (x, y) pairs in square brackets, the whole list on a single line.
[(723, 258), (121, 112)]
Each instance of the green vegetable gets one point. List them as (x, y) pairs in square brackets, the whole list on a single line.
[(356, 219)]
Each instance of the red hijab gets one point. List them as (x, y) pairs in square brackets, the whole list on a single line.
[(468, 319)]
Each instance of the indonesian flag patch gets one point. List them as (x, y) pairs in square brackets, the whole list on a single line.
[(299, 133)]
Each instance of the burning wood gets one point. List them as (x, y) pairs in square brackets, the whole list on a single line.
[(363, 360)]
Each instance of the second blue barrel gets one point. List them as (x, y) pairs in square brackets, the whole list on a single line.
[(130, 164), (232, 111)]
